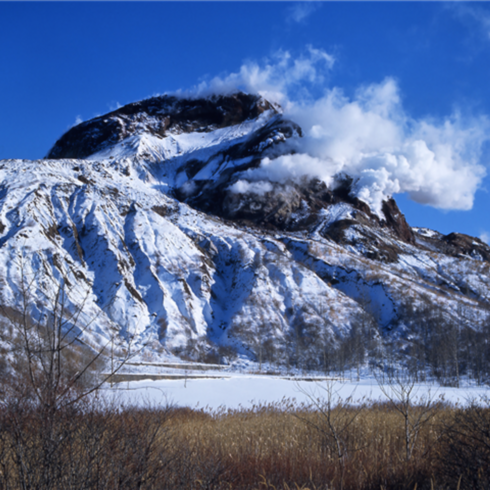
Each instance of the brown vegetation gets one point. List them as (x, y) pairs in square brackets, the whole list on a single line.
[(96, 445)]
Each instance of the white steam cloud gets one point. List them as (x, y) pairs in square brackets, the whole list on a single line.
[(367, 136), (273, 79), (257, 187), (370, 138)]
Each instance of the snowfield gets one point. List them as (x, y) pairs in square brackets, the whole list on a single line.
[(247, 391)]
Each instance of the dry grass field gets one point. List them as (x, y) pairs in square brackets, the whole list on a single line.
[(91, 446)]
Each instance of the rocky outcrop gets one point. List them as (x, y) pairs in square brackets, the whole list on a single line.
[(397, 222), (459, 244), (158, 116)]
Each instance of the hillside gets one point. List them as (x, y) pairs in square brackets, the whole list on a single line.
[(154, 219)]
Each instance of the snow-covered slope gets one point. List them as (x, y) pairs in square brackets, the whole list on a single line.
[(147, 217)]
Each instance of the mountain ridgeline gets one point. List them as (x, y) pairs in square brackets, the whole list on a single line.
[(149, 217)]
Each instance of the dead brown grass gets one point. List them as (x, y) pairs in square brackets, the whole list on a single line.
[(281, 447), (267, 447)]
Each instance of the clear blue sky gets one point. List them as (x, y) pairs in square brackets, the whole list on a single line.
[(63, 61)]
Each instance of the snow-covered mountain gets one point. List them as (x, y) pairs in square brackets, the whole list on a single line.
[(148, 216)]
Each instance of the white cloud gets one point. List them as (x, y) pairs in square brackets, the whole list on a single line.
[(274, 78), (244, 187), (300, 11), (368, 136), (475, 15), (291, 167), (485, 237)]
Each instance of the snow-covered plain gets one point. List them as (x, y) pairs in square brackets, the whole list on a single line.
[(246, 391)]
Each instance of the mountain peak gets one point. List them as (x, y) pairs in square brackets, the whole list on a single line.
[(163, 220), (159, 116)]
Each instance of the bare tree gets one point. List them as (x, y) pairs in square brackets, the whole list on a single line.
[(50, 390), (336, 415), (51, 362), (416, 411)]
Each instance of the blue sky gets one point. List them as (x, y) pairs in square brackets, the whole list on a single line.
[(63, 62)]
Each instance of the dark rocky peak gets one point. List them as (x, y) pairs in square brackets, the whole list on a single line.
[(459, 244), (453, 244), (397, 222), (393, 217), (211, 177), (158, 116)]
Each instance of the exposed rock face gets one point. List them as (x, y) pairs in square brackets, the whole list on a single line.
[(211, 193), (459, 244), (150, 216), (396, 221), (290, 206)]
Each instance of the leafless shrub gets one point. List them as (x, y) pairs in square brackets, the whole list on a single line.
[(416, 411), (49, 393), (335, 416), (465, 446)]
